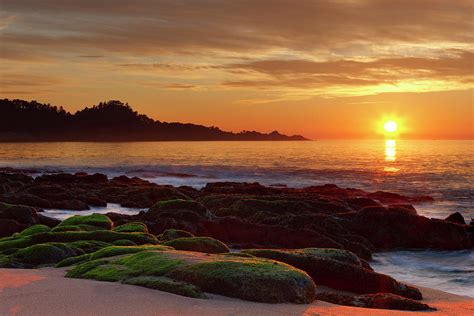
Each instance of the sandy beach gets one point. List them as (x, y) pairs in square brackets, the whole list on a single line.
[(46, 292)]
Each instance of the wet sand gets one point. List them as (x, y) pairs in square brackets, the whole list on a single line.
[(46, 292)]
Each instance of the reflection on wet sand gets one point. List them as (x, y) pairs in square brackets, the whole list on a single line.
[(16, 280)]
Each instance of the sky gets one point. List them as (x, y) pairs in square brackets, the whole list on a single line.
[(322, 69)]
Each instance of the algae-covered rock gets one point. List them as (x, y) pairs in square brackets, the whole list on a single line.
[(132, 227), (171, 234), (199, 244), (46, 253), (66, 237), (109, 251), (187, 210), (338, 274), (123, 242), (252, 279), (96, 220), (167, 285), (35, 229)]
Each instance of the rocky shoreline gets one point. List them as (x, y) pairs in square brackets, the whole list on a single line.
[(288, 241)]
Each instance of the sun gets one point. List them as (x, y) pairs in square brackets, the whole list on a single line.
[(390, 126)]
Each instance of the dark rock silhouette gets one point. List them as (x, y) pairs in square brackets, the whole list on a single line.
[(109, 121)]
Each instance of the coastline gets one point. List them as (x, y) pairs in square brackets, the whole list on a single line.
[(36, 291)]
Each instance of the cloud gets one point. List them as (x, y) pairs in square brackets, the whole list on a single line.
[(308, 73), (196, 27)]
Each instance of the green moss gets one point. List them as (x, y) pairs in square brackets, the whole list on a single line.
[(133, 227), (190, 273), (171, 234), (335, 254), (198, 244), (80, 227), (45, 254), (35, 229), (67, 228), (80, 270), (96, 220), (73, 260), (100, 235), (143, 263), (123, 242), (113, 251), (253, 280), (110, 251), (167, 285)]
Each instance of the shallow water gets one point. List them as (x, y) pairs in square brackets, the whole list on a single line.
[(442, 169), (450, 271), (116, 208)]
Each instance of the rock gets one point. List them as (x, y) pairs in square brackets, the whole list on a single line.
[(171, 234), (393, 198), (338, 274), (246, 278), (456, 218), (96, 220), (9, 226), (379, 301), (198, 244), (133, 227), (388, 228), (186, 210), (22, 214), (361, 202), (75, 205)]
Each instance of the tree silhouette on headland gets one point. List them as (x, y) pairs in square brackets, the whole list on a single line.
[(108, 121)]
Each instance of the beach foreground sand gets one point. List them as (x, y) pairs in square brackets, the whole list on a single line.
[(46, 292)]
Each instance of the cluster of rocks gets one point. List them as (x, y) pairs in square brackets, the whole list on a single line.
[(321, 235), (176, 261), (247, 215)]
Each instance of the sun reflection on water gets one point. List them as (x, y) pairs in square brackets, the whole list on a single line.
[(390, 154)]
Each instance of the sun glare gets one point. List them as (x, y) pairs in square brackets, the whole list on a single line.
[(390, 126)]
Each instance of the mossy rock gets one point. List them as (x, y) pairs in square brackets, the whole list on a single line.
[(76, 228), (171, 234), (142, 263), (123, 242), (42, 254), (133, 227), (35, 229), (65, 237), (178, 208), (96, 220), (167, 285), (337, 274), (252, 279), (335, 254), (110, 251), (199, 244), (67, 228)]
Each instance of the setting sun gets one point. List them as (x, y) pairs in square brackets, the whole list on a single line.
[(390, 126)]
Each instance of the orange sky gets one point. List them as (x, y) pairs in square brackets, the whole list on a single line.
[(323, 69)]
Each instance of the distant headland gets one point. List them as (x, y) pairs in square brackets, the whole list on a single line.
[(25, 121)]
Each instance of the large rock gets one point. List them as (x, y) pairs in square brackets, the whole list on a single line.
[(338, 272), (388, 228), (246, 278), (379, 301), (456, 218)]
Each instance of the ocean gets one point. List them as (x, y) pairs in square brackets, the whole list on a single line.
[(439, 168)]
